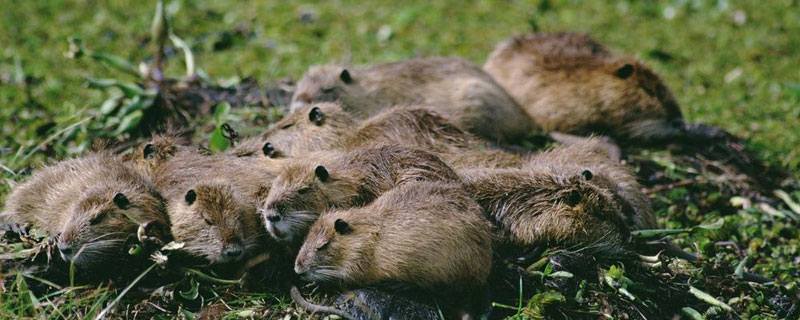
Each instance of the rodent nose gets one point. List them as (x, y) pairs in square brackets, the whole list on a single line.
[(273, 217), (66, 252), (233, 252)]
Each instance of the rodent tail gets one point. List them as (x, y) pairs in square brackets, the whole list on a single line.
[(315, 308)]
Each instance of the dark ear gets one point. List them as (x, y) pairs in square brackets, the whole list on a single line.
[(316, 116), (341, 227), (574, 198), (268, 150), (624, 71), (121, 201), (322, 173), (190, 197), (587, 174), (149, 151), (345, 76)]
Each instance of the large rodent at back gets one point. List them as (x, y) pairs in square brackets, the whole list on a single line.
[(426, 235), (94, 204), (308, 186), (212, 205), (569, 83), (326, 127), (458, 89)]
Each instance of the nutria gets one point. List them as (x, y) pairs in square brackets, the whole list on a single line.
[(412, 126), (314, 125), (212, 204), (426, 235), (456, 88), (569, 83), (94, 204), (607, 173), (311, 185)]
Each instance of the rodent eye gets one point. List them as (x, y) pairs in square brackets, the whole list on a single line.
[(287, 126), (304, 191), (328, 90), (324, 245), (207, 220)]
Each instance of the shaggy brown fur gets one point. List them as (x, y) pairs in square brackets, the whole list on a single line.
[(153, 153), (95, 205), (311, 185), (413, 126), (456, 88), (607, 174), (570, 83), (428, 235), (307, 129), (212, 204)]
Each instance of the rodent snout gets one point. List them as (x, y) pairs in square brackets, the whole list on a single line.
[(66, 251), (233, 252), (272, 216)]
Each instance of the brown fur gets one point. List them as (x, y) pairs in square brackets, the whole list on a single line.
[(155, 152), (299, 194), (607, 174), (74, 199), (222, 219), (428, 235), (570, 83), (454, 87), (413, 126)]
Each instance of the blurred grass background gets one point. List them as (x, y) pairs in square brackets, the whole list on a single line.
[(733, 64)]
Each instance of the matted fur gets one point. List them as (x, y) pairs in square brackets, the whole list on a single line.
[(566, 82), (73, 199), (456, 88), (356, 178)]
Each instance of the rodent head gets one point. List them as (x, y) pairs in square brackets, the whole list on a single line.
[(153, 153), (211, 220), (329, 83), (337, 245), (104, 223), (300, 193), (597, 211), (633, 85), (317, 126)]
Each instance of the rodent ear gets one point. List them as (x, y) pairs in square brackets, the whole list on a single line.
[(190, 197), (341, 226), (149, 151), (345, 76), (625, 71), (121, 201), (322, 173), (269, 150), (574, 198), (316, 116), (587, 174)]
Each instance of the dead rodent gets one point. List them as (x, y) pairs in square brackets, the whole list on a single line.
[(94, 204), (607, 173), (458, 89), (426, 235), (308, 186), (550, 207), (569, 83), (212, 205), (326, 126)]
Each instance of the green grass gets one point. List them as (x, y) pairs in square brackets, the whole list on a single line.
[(739, 74)]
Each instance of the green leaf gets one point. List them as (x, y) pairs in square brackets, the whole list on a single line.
[(709, 299), (692, 313), (221, 113), (653, 233), (537, 304), (193, 291), (128, 122), (560, 274), (788, 200), (109, 105), (217, 143), (739, 272)]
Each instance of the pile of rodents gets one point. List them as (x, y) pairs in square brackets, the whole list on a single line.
[(397, 173)]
